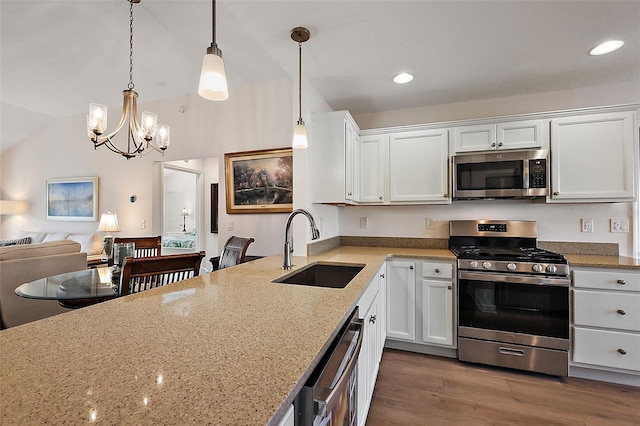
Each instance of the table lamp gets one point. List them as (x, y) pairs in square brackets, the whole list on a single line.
[(108, 223), (185, 213)]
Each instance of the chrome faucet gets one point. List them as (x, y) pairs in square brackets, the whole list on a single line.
[(288, 239)]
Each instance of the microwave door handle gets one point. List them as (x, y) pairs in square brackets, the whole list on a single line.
[(323, 405)]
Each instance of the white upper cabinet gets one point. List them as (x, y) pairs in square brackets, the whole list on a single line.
[(373, 160), (593, 158), (504, 135), (334, 157), (418, 170)]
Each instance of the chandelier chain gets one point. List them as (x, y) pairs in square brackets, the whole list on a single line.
[(130, 85)]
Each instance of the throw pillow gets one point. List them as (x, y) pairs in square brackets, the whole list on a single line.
[(15, 241)]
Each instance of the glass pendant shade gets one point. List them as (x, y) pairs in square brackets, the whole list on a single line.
[(149, 125), (300, 137), (97, 119), (163, 136), (213, 79)]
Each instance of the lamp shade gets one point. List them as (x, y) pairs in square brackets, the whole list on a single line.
[(300, 137), (185, 212), (109, 222), (213, 79), (8, 207)]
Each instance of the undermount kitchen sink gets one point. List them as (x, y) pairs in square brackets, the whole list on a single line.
[(323, 274)]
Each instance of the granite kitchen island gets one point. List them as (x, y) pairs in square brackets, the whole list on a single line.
[(225, 348)]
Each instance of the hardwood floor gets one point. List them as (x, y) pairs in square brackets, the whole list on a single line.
[(416, 389)]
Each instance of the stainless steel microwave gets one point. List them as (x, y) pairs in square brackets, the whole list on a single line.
[(505, 174)]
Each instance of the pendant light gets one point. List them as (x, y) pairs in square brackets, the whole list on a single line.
[(213, 79), (139, 134), (300, 35)]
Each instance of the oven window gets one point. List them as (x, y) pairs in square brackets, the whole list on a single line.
[(492, 175), (519, 308)]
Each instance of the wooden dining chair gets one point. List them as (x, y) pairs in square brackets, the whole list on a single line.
[(145, 246), (234, 251), (144, 273)]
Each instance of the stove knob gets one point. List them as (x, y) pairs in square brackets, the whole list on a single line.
[(486, 265), (473, 264), (537, 267), (552, 269), (512, 266)]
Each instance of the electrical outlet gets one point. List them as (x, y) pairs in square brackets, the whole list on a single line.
[(364, 222), (230, 226), (430, 223), (143, 224), (619, 225), (587, 225)]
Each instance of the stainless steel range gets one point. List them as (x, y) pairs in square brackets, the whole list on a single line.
[(513, 298)]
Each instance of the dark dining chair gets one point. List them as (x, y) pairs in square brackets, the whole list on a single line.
[(144, 273), (233, 253), (145, 246)]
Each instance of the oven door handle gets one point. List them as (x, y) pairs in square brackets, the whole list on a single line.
[(514, 278)]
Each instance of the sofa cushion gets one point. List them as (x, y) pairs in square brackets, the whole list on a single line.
[(55, 236), (24, 251), (15, 241), (90, 243), (36, 237)]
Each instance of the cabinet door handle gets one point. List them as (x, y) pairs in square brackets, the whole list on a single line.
[(500, 144), (349, 194), (449, 287), (372, 319), (380, 197), (621, 282), (493, 145), (556, 193), (411, 267), (622, 351), (381, 275), (437, 271), (622, 312)]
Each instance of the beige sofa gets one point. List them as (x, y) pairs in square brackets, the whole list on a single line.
[(20, 264)]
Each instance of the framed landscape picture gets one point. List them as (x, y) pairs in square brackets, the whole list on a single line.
[(73, 199), (259, 181)]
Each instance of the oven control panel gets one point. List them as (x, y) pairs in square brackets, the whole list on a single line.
[(492, 227), (531, 268)]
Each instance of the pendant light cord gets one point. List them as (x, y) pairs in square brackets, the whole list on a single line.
[(213, 22), (130, 85), (300, 80)]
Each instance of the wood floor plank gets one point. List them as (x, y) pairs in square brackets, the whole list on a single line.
[(416, 389)]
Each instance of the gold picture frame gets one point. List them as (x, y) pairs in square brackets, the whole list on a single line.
[(259, 181)]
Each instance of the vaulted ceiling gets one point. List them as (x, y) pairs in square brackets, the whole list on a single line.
[(58, 56)]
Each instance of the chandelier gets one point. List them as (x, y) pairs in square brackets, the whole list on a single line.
[(140, 134)]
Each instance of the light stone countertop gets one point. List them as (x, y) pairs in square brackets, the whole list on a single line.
[(598, 261), (225, 348)]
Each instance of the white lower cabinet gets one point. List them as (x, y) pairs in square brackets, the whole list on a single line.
[(401, 299), (606, 319), (421, 302), (373, 341), (288, 419)]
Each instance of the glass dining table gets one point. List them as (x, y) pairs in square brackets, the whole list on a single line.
[(73, 289)]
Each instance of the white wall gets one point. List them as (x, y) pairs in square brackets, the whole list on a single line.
[(255, 117)]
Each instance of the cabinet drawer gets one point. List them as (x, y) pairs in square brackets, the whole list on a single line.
[(607, 309), (614, 279), (607, 348), (437, 270)]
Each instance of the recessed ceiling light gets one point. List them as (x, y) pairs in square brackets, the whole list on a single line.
[(402, 78), (606, 47)]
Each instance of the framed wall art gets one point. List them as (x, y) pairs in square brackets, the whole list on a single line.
[(259, 181), (73, 199), (214, 208)]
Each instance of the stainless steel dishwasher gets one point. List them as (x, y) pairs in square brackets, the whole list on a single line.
[(330, 396)]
